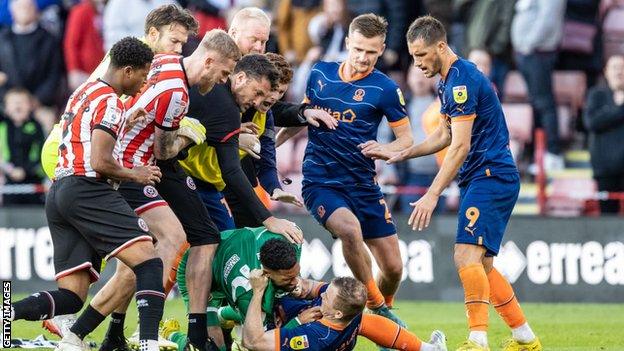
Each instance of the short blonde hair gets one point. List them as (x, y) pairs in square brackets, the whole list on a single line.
[(219, 41), (249, 13)]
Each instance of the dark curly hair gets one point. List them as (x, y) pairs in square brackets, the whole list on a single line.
[(132, 52), (278, 254), (283, 67), (258, 66)]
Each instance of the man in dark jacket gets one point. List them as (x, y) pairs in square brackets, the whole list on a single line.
[(30, 57), (604, 119)]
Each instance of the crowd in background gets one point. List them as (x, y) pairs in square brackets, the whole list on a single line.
[(49, 47)]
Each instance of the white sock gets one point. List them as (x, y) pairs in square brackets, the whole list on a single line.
[(427, 347), (148, 345), (480, 337), (523, 333)]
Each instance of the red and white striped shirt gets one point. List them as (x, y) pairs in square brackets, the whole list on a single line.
[(94, 105), (165, 98)]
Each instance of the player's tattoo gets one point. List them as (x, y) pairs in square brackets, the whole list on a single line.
[(167, 144)]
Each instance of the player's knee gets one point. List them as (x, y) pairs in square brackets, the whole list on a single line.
[(349, 232), (125, 275)]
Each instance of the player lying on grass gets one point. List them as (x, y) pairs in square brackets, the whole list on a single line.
[(341, 305), (247, 249)]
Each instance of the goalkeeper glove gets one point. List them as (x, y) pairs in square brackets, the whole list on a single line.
[(192, 129)]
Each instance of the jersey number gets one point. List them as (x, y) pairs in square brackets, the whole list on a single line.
[(241, 281)]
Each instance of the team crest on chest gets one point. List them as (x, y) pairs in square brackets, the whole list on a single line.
[(359, 95)]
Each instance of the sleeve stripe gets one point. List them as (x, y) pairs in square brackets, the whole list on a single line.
[(464, 118), (230, 134), (399, 123), (277, 339)]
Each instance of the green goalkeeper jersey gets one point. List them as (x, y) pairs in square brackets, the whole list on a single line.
[(237, 255)]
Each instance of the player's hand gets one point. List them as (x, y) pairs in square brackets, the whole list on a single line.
[(423, 209), (148, 175), (258, 280), (286, 197), (315, 117), (288, 229), (249, 128), (137, 116), (193, 130), (310, 315), (250, 144), (401, 156)]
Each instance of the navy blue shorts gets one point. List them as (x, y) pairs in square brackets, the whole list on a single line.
[(217, 206), (485, 205), (367, 204)]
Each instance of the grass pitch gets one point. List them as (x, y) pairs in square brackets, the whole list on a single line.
[(570, 327)]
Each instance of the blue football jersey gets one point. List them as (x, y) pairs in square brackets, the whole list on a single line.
[(332, 158), (466, 93), (319, 336)]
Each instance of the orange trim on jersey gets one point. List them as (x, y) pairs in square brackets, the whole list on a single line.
[(332, 325), (464, 118), (355, 77), (317, 289), (402, 121), (305, 100), (277, 339)]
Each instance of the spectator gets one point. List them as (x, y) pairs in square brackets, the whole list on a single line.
[(124, 18), (604, 119), (5, 15), (418, 172), (482, 60), (30, 57), (83, 43), (488, 27), (536, 33), (21, 138), (395, 12), (327, 31), (293, 17)]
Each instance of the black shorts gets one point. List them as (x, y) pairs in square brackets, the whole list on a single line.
[(89, 221), (141, 197), (179, 190)]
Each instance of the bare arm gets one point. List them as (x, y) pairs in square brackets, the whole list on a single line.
[(435, 142), (102, 161), (285, 134), (403, 140), (254, 336), (168, 144), (455, 156)]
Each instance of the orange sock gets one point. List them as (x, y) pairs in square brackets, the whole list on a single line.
[(476, 295), (389, 300), (375, 298), (504, 300), (171, 280), (386, 333)]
